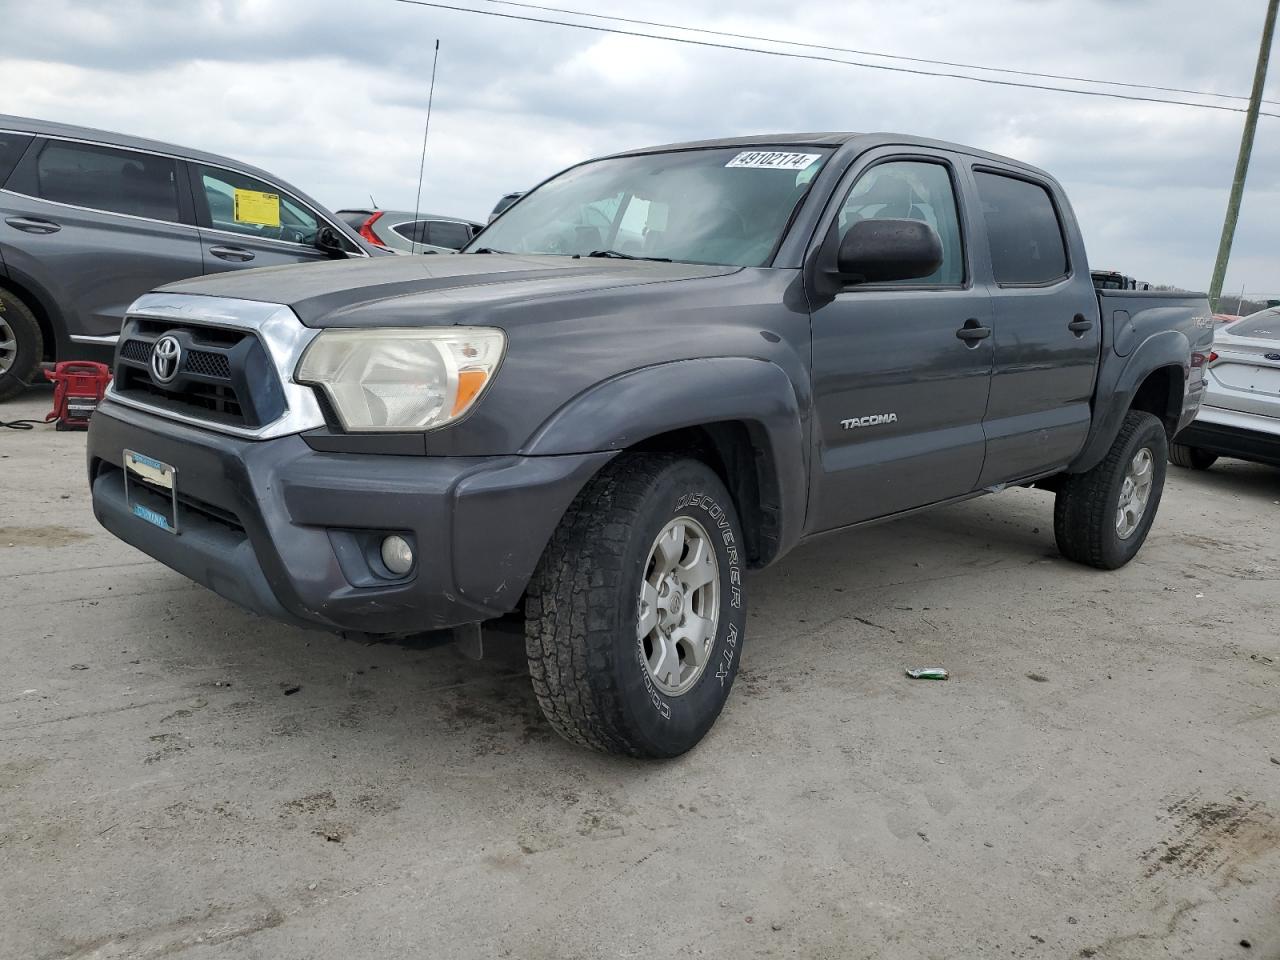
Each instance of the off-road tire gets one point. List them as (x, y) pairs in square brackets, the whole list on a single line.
[(1084, 512), (30, 345), (582, 605), (1193, 458)]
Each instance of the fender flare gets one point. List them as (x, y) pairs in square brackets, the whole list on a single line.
[(630, 408), (1118, 382)]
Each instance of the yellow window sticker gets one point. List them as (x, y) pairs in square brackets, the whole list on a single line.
[(260, 209)]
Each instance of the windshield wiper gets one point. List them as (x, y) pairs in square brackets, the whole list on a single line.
[(487, 250), (619, 255)]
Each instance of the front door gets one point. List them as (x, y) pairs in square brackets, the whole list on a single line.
[(900, 370), (246, 222)]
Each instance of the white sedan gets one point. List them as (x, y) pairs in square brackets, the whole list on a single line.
[(1240, 414)]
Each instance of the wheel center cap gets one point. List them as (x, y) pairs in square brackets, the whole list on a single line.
[(676, 603)]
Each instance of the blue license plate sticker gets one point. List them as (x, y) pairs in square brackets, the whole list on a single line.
[(153, 516)]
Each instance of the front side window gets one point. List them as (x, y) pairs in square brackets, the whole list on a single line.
[(1022, 229), (104, 178), (724, 206), (911, 190), (239, 203)]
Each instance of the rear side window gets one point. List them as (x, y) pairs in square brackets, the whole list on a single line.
[(12, 146), (103, 178), (436, 233), (1023, 230)]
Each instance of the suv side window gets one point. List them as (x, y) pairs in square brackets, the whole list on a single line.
[(12, 147), (436, 233), (104, 178), (1023, 230), (285, 220), (911, 190)]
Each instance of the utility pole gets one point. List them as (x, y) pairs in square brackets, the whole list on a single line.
[(1242, 161)]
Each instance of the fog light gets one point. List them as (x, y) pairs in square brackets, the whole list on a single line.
[(397, 555)]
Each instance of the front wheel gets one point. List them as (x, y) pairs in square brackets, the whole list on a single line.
[(1101, 517), (21, 345), (635, 617), (1193, 458)]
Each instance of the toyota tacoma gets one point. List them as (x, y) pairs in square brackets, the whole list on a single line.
[(654, 372)]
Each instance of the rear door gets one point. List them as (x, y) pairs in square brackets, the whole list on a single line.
[(1047, 333), (248, 222), (95, 227), (899, 390)]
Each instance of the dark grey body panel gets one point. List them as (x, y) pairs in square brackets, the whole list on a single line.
[(603, 355)]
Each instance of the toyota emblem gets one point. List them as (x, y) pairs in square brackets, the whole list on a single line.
[(165, 357)]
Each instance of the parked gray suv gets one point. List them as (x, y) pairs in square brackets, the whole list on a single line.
[(90, 220)]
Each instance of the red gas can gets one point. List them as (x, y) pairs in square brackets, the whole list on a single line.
[(78, 389)]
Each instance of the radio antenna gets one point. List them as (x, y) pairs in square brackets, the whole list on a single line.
[(422, 164)]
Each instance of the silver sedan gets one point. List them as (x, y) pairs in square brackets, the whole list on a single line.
[(1240, 415)]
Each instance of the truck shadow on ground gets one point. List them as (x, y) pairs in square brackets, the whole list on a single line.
[(420, 699)]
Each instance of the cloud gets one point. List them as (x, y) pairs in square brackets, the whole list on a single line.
[(331, 95)]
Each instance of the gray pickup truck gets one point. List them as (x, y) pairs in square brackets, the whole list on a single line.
[(654, 372)]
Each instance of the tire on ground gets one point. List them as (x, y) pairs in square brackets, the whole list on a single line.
[(28, 345), (1085, 510), (582, 608), (1192, 458)]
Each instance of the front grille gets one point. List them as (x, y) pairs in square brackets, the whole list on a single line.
[(139, 351), (225, 376), (208, 364)]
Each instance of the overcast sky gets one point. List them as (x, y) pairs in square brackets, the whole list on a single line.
[(331, 95)]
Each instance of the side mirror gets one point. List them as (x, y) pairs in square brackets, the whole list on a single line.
[(875, 251), (329, 241)]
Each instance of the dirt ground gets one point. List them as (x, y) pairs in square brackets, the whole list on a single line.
[(1099, 778)]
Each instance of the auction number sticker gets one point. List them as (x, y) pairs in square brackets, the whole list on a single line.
[(773, 160), (258, 208)]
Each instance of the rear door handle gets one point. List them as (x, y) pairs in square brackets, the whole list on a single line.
[(234, 254), (33, 224), (972, 332), (1079, 325)]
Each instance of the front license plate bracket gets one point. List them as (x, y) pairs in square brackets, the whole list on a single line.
[(161, 478)]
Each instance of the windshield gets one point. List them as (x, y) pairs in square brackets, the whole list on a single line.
[(722, 206)]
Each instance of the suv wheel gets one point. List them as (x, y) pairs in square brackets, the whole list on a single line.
[(1101, 517), (635, 617), (21, 345), (1193, 458)]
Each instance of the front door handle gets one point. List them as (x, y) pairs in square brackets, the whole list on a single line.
[(1079, 325), (234, 254), (33, 224), (972, 332)]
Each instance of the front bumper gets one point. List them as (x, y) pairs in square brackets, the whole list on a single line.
[(1231, 433), (277, 527)]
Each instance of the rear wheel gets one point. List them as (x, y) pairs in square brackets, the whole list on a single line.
[(635, 617), (21, 345), (1193, 458), (1101, 517)]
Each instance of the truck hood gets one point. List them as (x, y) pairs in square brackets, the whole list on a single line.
[(407, 290)]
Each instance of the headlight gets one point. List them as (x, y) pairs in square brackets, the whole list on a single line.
[(402, 379)]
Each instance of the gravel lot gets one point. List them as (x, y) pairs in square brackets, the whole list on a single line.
[(1100, 778)]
